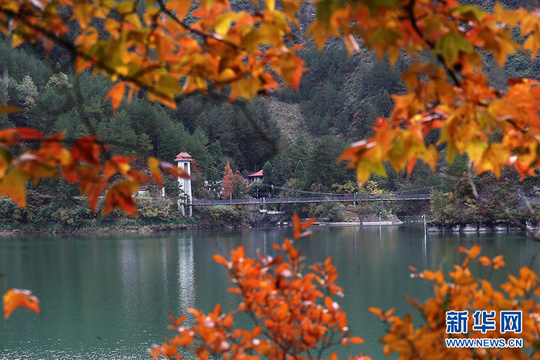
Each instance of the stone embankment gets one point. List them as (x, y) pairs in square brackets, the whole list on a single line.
[(497, 226), (265, 218)]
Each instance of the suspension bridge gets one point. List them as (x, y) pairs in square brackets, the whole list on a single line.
[(303, 196)]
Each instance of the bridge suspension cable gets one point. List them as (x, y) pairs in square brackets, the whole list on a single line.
[(221, 172)]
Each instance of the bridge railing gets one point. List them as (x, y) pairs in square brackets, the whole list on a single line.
[(337, 198)]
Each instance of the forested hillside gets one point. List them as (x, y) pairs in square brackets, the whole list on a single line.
[(296, 136)]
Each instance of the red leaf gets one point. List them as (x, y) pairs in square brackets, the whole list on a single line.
[(137, 176), (91, 184), (514, 81), (15, 298), (9, 109), (118, 164), (220, 259), (307, 224), (87, 150), (182, 340), (17, 135), (52, 146), (296, 227), (121, 196), (410, 166), (48, 45)]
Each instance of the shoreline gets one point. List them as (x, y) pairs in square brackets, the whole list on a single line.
[(168, 227), (433, 227), (117, 229)]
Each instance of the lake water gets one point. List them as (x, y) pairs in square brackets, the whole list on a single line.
[(106, 297)]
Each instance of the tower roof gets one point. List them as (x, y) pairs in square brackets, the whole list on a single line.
[(183, 156)]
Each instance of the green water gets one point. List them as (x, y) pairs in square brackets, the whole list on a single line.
[(106, 297)]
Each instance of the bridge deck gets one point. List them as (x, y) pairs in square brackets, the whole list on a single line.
[(344, 198)]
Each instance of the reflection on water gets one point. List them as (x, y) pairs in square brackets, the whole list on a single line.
[(424, 247), (106, 297), (186, 273), (129, 271)]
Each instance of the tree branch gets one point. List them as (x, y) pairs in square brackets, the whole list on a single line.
[(169, 13), (410, 10)]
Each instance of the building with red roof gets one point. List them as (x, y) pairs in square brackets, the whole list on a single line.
[(255, 177)]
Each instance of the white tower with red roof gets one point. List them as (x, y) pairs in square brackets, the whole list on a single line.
[(184, 162)]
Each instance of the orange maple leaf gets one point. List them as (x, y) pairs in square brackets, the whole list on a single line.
[(15, 298)]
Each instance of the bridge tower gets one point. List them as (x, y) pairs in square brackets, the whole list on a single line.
[(184, 162)]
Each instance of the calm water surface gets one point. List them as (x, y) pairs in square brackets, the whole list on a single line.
[(106, 297)]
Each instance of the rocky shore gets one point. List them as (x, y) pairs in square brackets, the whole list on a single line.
[(496, 226)]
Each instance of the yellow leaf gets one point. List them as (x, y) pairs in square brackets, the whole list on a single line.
[(12, 185), (134, 19), (168, 87), (112, 26), (320, 33), (83, 12), (223, 23), (376, 311), (499, 43), (386, 40), (430, 157), (451, 152), (126, 7), (494, 158), (227, 75), (6, 157), (270, 4), (269, 34), (509, 17), (451, 44), (153, 165)]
